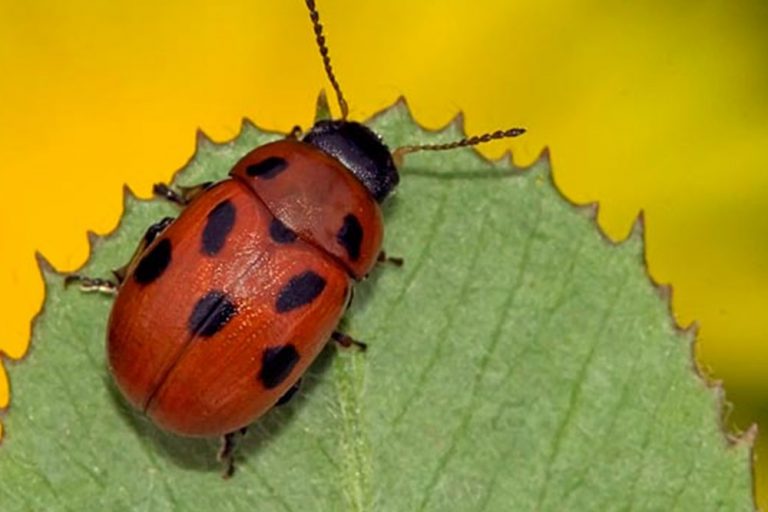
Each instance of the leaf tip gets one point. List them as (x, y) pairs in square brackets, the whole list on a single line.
[(246, 125), (637, 231), (401, 103), (665, 291), (399, 109), (457, 125), (202, 139), (505, 160), (543, 165), (591, 210), (93, 240), (45, 266), (746, 438), (691, 330), (322, 107), (128, 195)]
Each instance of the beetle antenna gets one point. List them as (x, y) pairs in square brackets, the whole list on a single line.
[(320, 39), (465, 142)]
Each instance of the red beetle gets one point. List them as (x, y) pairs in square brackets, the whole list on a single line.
[(221, 310)]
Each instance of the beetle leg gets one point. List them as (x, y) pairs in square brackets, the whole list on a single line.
[(350, 299), (184, 196), (226, 453), (383, 258), (289, 394), (347, 341), (92, 284), (110, 286), (295, 133)]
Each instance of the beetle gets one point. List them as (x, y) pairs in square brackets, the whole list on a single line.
[(221, 310)]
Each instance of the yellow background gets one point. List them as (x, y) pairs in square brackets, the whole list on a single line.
[(654, 105)]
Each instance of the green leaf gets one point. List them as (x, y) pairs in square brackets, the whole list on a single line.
[(322, 109), (518, 361)]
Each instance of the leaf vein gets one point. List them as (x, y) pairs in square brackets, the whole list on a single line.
[(435, 223), (575, 396), (494, 340), (434, 356)]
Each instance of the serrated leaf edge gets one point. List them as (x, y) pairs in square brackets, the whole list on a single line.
[(590, 210)]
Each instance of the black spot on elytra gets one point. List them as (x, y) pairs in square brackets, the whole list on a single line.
[(281, 233), (299, 291), (350, 236), (211, 313), (267, 168), (276, 364), (219, 224), (153, 264)]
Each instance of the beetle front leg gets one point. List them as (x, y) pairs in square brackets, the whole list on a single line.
[(184, 196), (110, 286), (92, 284)]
